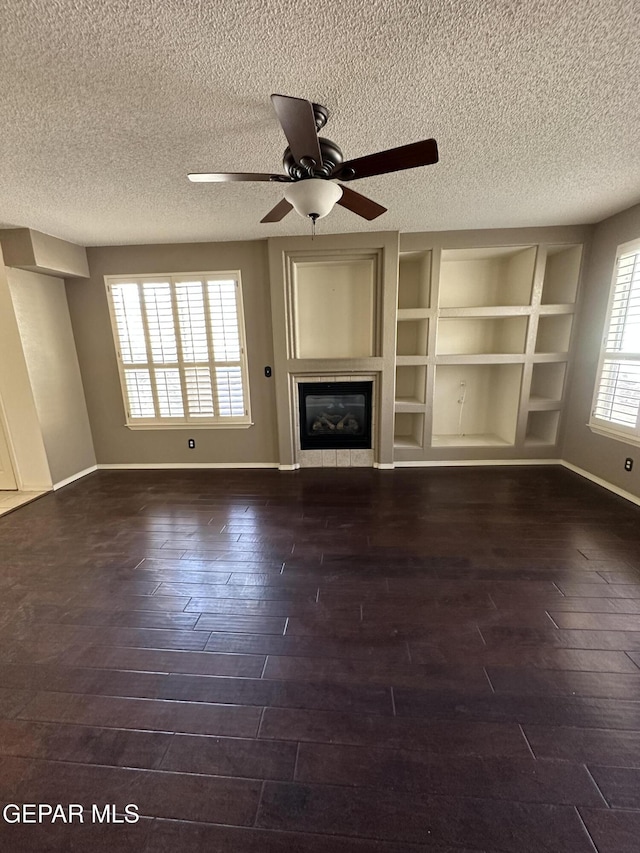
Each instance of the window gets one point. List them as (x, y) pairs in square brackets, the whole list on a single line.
[(180, 346), (616, 406)]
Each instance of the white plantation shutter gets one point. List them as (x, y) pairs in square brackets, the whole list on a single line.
[(158, 310), (128, 316), (139, 393), (624, 323), (229, 387), (199, 392), (180, 343), (169, 391), (224, 318), (617, 399), (193, 321)]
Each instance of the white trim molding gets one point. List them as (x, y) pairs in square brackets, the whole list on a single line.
[(462, 463), (628, 496), (74, 477), (449, 463), (627, 438), (151, 466)]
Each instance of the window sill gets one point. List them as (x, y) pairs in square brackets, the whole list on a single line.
[(188, 427), (625, 437)]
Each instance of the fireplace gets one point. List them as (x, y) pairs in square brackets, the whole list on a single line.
[(335, 415)]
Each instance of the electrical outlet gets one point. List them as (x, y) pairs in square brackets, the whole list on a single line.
[(192, 443), (628, 463)]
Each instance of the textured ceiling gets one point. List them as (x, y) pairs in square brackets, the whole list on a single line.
[(107, 104)]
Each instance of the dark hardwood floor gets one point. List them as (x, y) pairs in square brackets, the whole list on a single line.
[(327, 661)]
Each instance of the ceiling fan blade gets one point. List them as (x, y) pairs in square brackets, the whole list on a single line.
[(215, 177), (278, 212), (299, 124), (423, 153), (360, 204)]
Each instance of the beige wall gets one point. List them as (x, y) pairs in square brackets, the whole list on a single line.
[(42, 315), (600, 456), (45, 419), (114, 443)]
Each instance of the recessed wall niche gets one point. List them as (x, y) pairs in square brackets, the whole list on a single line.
[(476, 404), (333, 305)]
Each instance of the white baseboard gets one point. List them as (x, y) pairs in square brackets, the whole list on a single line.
[(163, 466), (74, 477), (451, 463), (628, 496)]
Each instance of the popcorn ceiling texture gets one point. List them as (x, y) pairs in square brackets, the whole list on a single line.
[(107, 104)]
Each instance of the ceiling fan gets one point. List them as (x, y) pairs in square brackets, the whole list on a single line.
[(313, 164)]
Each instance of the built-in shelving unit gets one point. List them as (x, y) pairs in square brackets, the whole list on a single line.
[(561, 274), (475, 278), (547, 384), (412, 337), (542, 428), (481, 335), (409, 429), (554, 333), (410, 386), (414, 282), (476, 404), (414, 329), (483, 343)]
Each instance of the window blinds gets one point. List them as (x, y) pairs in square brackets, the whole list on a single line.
[(180, 349), (617, 399)]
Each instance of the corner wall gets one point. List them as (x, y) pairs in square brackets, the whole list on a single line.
[(42, 315), (598, 455), (24, 437)]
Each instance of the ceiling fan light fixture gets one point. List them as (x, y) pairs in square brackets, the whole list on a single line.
[(313, 198)]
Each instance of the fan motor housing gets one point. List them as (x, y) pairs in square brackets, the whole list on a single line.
[(331, 158)]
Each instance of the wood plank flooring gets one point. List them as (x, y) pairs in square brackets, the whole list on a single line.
[(350, 661)]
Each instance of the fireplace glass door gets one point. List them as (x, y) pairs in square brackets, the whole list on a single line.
[(335, 415)]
